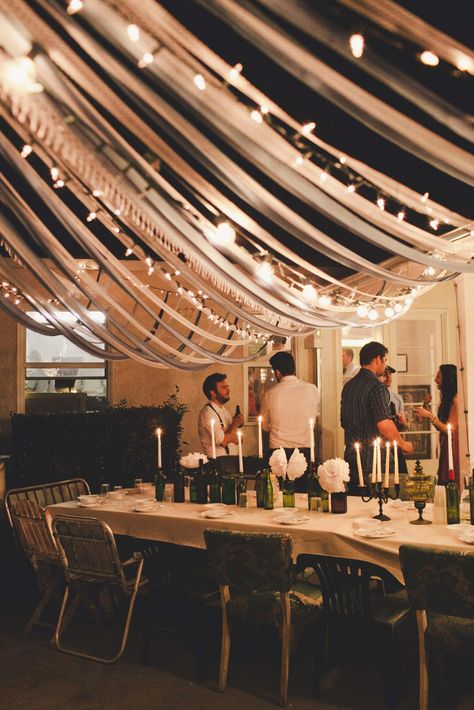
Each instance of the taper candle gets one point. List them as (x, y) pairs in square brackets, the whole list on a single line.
[(158, 434), (311, 439), (379, 461), (359, 464), (213, 439), (396, 475), (374, 462), (260, 442), (241, 458), (450, 448), (386, 482)]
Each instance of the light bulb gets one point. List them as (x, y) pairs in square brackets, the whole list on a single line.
[(20, 74), (91, 216), (133, 32), (235, 71), (265, 271), (357, 43), (323, 177), (362, 311), (74, 6), (26, 150), (308, 128), (129, 251), (225, 233), (389, 312), (351, 188), (264, 109), (434, 224), (299, 160), (58, 184), (401, 216), (430, 59), (199, 82), (145, 60), (97, 193), (381, 203), (309, 293), (373, 315), (465, 64), (424, 198), (325, 300), (54, 173), (398, 308), (256, 116)]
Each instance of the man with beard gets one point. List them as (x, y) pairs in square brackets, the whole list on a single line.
[(365, 412), (217, 390)]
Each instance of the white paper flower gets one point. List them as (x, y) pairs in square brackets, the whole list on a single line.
[(332, 475), (297, 465), (278, 462), (192, 460)]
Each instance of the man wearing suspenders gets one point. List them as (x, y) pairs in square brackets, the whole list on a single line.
[(217, 390)]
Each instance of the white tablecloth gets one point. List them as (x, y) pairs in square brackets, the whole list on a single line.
[(325, 533)]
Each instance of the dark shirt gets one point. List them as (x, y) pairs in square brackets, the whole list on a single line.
[(365, 402)]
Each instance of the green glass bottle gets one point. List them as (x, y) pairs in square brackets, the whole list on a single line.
[(160, 480), (314, 488), (214, 482), (288, 493), (242, 491), (260, 479), (201, 483), (471, 497), (452, 500), (179, 485), (268, 492), (193, 496)]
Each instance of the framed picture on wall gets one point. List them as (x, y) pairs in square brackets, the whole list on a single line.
[(401, 363), (421, 438)]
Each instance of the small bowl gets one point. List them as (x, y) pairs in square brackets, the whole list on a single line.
[(117, 495), (144, 504), (365, 523), (88, 499)]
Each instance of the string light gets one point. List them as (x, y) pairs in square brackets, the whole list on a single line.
[(256, 116), (26, 150), (74, 6), (434, 224), (54, 173), (147, 59), (265, 271), (362, 311), (133, 32), (235, 71), (381, 203), (357, 44), (309, 293), (389, 312), (372, 314), (91, 216), (351, 188), (308, 128), (430, 59), (465, 64), (20, 74), (199, 82), (401, 216), (325, 301)]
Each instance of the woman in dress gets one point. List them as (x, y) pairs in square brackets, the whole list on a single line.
[(446, 381)]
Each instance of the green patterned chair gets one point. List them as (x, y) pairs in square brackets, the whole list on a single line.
[(440, 585), (255, 576)]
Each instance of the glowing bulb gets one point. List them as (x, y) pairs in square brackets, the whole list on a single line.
[(308, 128), (373, 315), (408, 300), (129, 251), (265, 271), (264, 109), (26, 150), (58, 184), (309, 293), (381, 203), (74, 6), (235, 71), (299, 160), (324, 301), (434, 224), (145, 60), (133, 32), (256, 116), (389, 312), (54, 173), (424, 198), (351, 188), (465, 64), (224, 233), (20, 73), (430, 59), (342, 159), (323, 177), (150, 270), (401, 216), (429, 271), (91, 216), (357, 43), (199, 82), (362, 311)]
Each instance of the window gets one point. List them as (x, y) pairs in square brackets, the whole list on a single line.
[(59, 375)]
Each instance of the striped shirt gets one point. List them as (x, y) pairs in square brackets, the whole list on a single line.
[(364, 403)]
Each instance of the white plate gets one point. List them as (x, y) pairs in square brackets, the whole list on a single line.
[(468, 539), (402, 504), (213, 506), (94, 504), (147, 509), (295, 519), (216, 513), (380, 532), (458, 528)]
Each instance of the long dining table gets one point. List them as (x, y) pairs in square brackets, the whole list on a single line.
[(321, 533)]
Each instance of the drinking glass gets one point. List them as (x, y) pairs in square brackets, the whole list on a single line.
[(168, 496), (104, 490), (138, 485)]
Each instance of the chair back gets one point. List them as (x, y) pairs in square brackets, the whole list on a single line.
[(344, 583), (45, 494), (252, 561), (32, 530), (88, 550), (439, 580)]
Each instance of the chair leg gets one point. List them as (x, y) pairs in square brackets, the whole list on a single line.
[(422, 624), (285, 646), (44, 601), (225, 638)]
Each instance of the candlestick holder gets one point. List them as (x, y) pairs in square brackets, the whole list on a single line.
[(375, 491)]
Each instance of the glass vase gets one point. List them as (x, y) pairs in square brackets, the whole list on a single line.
[(339, 502), (288, 494)]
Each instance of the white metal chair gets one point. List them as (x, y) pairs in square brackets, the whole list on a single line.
[(90, 558), (44, 494)]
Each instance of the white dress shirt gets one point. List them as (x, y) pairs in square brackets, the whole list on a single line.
[(222, 423), (349, 372), (397, 399), (290, 405)]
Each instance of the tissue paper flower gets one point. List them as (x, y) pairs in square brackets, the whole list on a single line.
[(192, 460), (297, 465), (332, 474), (278, 462)]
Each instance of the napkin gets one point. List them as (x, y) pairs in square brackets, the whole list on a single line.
[(278, 462), (332, 475), (297, 465), (192, 460)]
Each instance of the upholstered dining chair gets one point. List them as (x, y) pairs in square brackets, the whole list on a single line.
[(35, 538), (440, 585), (91, 562), (44, 494), (353, 606), (255, 573)]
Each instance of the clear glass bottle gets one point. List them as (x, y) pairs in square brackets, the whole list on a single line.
[(242, 491), (201, 483), (160, 480), (313, 488), (452, 500), (464, 505), (179, 485)]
